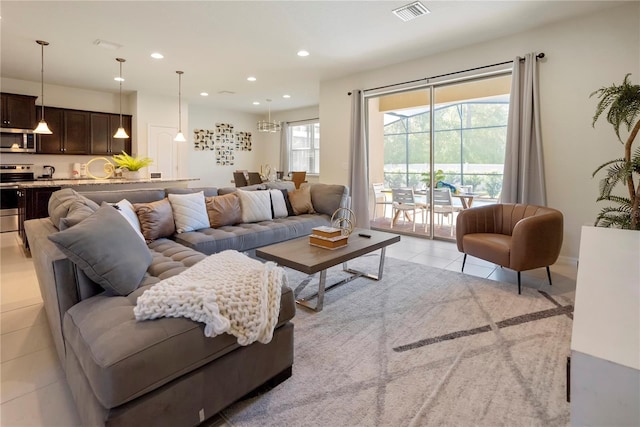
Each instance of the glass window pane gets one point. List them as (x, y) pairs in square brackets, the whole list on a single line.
[(304, 154)]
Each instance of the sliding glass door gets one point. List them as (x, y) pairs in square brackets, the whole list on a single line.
[(459, 148)]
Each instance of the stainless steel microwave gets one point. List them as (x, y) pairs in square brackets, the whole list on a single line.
[(17, 141)]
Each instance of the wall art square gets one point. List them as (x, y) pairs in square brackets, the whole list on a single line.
[(224, 143), (243, 141), (203, 139)]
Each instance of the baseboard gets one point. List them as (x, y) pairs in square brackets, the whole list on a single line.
[(567, 260)]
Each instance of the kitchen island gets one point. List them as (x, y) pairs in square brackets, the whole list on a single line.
[(33, 196)]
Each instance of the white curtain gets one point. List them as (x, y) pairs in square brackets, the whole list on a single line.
[(358, 184), (523, 180), (284, 148)]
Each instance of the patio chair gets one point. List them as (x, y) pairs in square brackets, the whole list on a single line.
[(380, 198), (403, 202), (443, 205)]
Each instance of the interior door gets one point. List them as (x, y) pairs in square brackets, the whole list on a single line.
[(164, 151)]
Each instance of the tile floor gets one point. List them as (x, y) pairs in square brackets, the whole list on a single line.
[(33, 390)]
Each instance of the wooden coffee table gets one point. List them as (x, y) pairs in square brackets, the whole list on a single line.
[(301, 256)]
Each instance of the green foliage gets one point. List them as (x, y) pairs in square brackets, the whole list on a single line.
[(426, 178), (623, 104), (132, 164)]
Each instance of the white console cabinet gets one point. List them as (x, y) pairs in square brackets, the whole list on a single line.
[(605, 342)]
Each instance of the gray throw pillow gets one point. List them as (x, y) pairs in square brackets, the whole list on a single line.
[(104, 247), (60, 202)]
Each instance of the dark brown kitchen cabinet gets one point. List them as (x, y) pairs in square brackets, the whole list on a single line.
[(51, 144), (71, 130), (33, 203), (77, 131), (103, 127), (18, 111)]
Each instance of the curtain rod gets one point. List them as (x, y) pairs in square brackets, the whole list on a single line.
[(538, 56), (304, 120)]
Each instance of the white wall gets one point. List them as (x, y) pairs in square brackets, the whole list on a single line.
[(583, 54), (202, 164)]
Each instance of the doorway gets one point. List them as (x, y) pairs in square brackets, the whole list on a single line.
[(444, 141)]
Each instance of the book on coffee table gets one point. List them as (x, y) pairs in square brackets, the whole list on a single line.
[(328, 242), (326, 231)]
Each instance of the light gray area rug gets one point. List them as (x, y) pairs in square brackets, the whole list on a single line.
[(422, 347)]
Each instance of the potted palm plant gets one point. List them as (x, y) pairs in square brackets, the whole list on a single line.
[(622, 105), (131, 164)]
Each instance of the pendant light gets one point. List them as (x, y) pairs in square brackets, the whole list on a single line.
[(268, 125), (120, 133), (180, 137), (42, 127)]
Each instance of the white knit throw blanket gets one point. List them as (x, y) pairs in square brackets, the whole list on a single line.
[(228, 292)]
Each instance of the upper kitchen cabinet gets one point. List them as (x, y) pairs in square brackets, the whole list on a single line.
[(71, 130), (18, 111), (103, 127)]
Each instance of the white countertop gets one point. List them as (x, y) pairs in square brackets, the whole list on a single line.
[(607, 308), (111, 181)]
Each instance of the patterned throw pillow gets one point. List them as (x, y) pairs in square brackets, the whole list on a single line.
[(189, 211), (255, 205), (223, 210)]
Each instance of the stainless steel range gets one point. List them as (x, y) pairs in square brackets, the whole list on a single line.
[(10, 177)]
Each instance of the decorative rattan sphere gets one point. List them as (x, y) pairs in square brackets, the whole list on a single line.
[(345, 220)]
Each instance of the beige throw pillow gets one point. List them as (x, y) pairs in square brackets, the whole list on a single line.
[(301, 200), (156, 219), (223, 210)]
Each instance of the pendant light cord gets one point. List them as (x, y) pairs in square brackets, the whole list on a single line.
[(120, 93), (42, 77), (180, 101)]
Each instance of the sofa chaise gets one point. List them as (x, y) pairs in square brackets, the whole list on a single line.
[(163, 372)]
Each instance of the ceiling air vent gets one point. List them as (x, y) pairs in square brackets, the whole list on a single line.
[(411, 11)]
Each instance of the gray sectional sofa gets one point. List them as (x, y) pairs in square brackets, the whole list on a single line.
[(163, 372)]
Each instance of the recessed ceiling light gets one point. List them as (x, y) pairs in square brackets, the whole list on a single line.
[(204, 94), (156, 55), (286, 96), (303, 53), (256, 103), (118, 79), (251, 79)]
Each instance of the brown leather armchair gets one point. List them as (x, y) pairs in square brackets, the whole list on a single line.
[(516, 236)]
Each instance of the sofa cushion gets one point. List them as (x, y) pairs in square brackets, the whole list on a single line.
[(156, 219), (123, 359), (287, 202), (494, 248), (189, 211), (106, 250), (60, 202), (145, 195), (208, 191), (255, 205), (78, 212), (278, 204), (223, 210), (128, 212), (248, 236), (327, 198), (301, 200)]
